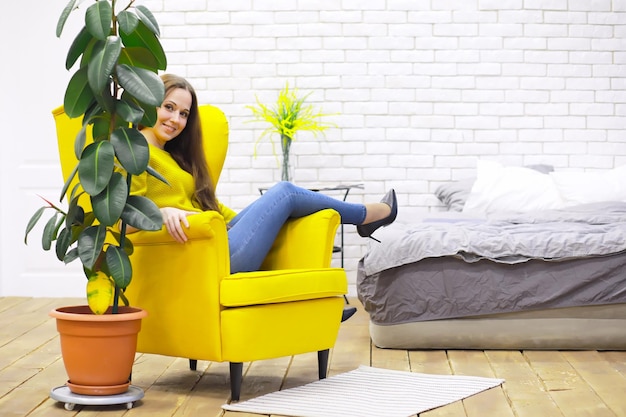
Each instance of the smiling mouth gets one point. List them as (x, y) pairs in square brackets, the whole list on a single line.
[(170, 128)]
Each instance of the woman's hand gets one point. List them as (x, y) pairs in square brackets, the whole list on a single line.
[(175, 221)]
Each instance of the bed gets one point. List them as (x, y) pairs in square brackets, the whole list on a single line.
[(524, 258)]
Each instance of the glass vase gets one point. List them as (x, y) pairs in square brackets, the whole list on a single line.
[(285, 142)]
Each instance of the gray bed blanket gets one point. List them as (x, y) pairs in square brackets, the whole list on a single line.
[(575, 232)]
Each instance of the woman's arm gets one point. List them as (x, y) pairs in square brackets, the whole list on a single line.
[(174, 220)]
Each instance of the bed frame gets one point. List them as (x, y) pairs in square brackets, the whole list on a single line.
[(573, 328), (578, 304)]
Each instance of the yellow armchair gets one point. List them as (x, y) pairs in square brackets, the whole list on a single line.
[(198, 310)]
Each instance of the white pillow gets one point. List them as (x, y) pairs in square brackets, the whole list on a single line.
[(513, 189), (591, 187)]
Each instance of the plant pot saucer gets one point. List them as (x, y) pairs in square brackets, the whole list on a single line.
[(93, 390), (63, 394)]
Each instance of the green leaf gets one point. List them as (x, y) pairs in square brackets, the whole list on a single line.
[(88, 52), (149, 114), (108, 205), (142, 213), (78, 95), (49, 234), (156, 174), (63, 244), (143, 37), (90, 218), (105, 99), (129, 110), (149, 111), (94, 111), (75, 214), (32, 222), (101, 126), (127, 20), (146, 86), (98, 19), (77, 189), (131, 149), (119, 266), (103, 61), (78, 47), (96, 166), (147, 18), (68, 182), (138, 57), (64, 15), (128, 244), (71, 256), (79, 142), (90, 244)]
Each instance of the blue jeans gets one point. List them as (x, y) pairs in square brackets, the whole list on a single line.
[(253, 231)]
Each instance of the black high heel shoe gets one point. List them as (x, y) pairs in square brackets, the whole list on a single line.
[(347, 313), (366, 230)]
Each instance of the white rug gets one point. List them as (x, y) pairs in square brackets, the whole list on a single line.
[(368, 392)]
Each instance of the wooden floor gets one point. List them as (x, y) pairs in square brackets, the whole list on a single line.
[(538, 384)]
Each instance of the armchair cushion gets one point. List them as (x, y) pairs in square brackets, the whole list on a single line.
[(281, 286)]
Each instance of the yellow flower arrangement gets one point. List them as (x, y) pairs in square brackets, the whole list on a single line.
[(289, 115)]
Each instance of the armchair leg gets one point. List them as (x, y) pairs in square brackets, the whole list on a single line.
[(322, 362), (193, 364), (236, 375)]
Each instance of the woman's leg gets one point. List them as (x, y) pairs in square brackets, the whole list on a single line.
[(253, 231)]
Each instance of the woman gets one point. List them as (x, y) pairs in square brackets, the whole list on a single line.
[(176, 152)]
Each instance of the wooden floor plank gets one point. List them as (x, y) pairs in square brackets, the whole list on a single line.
[(615, 359), (263, 377), (352, 348), (167, 383), (390, 359), (435, 362), (525, 391), (34, 392), (570, 392), (9, 303), (537, 383), (430, 362), (607, 382), (30, 314), (302, 370), (491, 402), (212, 390)]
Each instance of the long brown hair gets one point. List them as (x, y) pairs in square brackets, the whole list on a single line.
[(187, 148)]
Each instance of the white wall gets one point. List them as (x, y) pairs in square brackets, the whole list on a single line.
[(421, 90), (34, 75)]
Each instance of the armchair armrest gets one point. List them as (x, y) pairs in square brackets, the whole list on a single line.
[(179, 285), (306, 242), (203, 225)]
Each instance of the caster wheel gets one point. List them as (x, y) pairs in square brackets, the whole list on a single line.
[(129, 406), (69, 406)]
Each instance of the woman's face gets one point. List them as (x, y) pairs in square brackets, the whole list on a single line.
[(172, 116)]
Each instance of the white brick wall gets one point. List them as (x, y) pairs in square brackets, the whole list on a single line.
[(421, 88)]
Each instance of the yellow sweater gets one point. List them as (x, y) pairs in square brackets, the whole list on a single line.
[(178, 193)]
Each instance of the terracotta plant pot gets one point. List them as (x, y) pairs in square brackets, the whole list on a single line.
[(98, 350)]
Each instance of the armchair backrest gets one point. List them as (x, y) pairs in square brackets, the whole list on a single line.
[(214, 133), (215, 136)]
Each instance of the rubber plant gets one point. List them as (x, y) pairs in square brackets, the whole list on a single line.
[(286, 117), (114, 89)]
